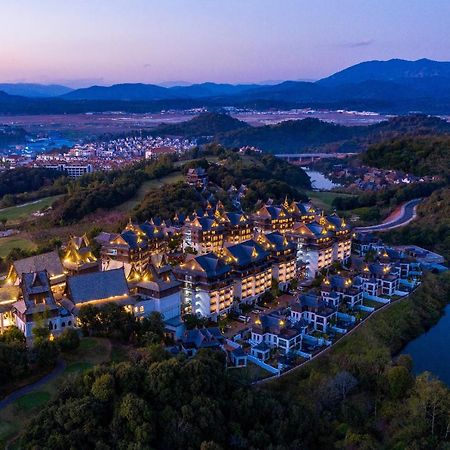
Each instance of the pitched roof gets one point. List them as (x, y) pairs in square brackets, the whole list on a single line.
[(237, 218), (36, 284), (276, 241), (210, 264), (203, 338), (246, 252), (97, 286), (46, 261)]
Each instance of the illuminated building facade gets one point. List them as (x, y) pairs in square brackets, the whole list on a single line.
[(36, 306), (315, 246), (203, 234), (251, 269), (207, 286), (78, 256), (283, 255), (273, 218)]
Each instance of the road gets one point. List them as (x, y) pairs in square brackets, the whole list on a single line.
[(14, 396), (402, 216)]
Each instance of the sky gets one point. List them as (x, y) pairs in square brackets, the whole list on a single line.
[(84, 42)]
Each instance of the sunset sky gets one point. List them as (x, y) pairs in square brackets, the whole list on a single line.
[(83, 42)]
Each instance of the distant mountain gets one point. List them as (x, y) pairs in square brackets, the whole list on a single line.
[(395, 86), (210, 90), (34, 90), (393, 70), (124, 92), (151, 92), (206, 124)]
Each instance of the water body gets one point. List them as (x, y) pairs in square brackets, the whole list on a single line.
[(431, 351), (319, 181)]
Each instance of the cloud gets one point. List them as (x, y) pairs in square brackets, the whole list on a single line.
[(147, 66), (355, 44)]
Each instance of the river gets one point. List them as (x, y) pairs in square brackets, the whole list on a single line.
[(319, 181), (431, 351)]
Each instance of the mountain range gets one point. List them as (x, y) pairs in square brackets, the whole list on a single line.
[(394, 86)]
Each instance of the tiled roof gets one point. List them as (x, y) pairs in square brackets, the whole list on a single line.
[(47, 261), (212, 265), (203, 338), (235, 218), (247, 252), (97, 285), (279, 241)]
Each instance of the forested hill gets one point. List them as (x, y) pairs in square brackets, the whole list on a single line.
[(290, 136), (301, 135), (206, 124), (420, 155), (431, 229)]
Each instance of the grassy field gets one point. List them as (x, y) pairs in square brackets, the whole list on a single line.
[(14, 418), (152, 184), (324, 199), (17, 213), (17, 241)]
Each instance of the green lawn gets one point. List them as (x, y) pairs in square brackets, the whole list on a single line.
[(324, 199), (13, 419), (147, 186), (33, 400), (17, 241), (17, 213)]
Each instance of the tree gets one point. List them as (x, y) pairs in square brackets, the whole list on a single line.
[(103, 387), (40, 333), (45, 353), (431, 403), (12, 334), (69, 340), (399, 380), (88, 319)]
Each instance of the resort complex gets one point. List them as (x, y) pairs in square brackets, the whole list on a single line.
[(281, 280)]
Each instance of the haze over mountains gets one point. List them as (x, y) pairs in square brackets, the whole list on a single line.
[(394, 86)]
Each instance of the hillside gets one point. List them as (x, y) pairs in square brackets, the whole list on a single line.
[(422, 155), (290, 136), (205, 124), (431, 229)]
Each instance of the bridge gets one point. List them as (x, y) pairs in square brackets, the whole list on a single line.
[(308, 158)]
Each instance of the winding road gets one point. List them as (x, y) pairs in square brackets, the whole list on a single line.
[(400, 217), (14, 396)]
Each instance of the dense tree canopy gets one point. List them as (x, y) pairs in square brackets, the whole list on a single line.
[(355, 397), (25, 179), (423, 155)]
